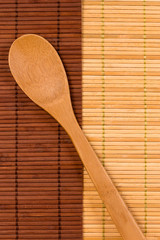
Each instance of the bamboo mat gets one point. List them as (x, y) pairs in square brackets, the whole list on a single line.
[(41, 174), (40, 171), (121, 109)]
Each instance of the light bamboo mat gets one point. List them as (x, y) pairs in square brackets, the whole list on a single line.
[(121, 109)]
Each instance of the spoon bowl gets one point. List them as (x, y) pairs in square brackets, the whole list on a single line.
[(38, 70)]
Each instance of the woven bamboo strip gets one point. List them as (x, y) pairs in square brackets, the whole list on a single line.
[(121, 109), (40, 172)]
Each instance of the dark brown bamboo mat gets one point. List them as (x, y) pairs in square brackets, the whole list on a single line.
[(40, 171)]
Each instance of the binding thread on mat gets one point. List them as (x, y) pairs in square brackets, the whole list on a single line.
[(16, 132), (145, 121), (103, 108)]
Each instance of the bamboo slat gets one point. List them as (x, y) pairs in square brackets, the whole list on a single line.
[(40, 171), (121, 45)]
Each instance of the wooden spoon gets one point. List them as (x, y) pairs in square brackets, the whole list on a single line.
[(39, 72)]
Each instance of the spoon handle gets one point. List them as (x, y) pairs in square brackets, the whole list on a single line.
[(115, 205)]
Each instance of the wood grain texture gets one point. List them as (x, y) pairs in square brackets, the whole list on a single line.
[(40, 172)]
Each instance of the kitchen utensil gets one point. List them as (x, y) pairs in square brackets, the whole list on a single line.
[(39, 72)]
